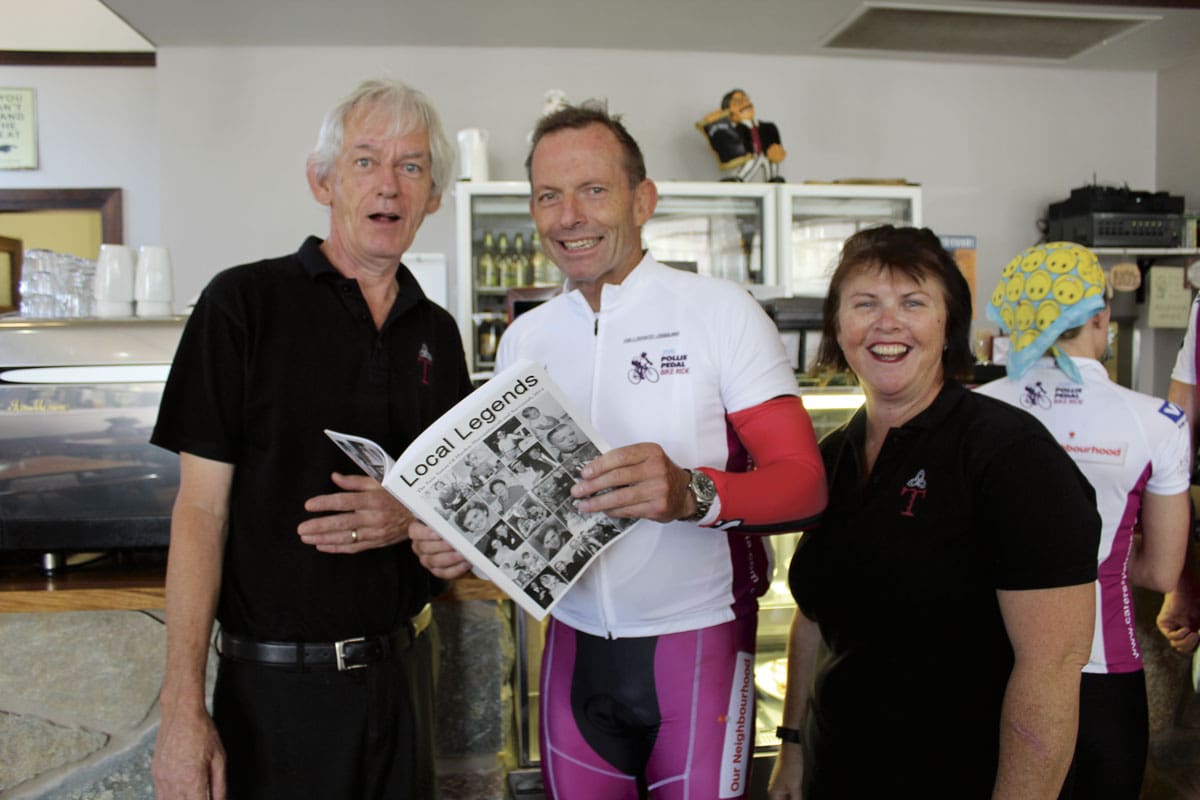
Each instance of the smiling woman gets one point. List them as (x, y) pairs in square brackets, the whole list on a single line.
[(922, 522)]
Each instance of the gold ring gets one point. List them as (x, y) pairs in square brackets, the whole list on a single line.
[(354, 536)]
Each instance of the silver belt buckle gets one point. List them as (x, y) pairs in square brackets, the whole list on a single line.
[(341, 657)]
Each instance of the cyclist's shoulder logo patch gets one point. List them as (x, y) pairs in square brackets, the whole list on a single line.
[(1172, 412)]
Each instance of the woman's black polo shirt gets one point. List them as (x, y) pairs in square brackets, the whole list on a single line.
[(969, 497), (274, 353)]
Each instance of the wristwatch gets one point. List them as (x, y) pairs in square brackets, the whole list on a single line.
[(703, 490)]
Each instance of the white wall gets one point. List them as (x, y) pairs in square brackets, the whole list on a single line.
[(96, 128), (1178, 169), (992, 145), (1179, 130), (223, 181)]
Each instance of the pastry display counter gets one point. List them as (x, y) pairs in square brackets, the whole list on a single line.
[(85, 499), (78, 399)]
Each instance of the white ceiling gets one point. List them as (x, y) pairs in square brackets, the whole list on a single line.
[(66, 25), (1170, 34)]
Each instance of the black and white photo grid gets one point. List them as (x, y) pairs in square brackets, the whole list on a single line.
[(510, 495)]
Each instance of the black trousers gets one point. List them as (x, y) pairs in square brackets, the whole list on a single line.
[(1114, 735), (361, 734)]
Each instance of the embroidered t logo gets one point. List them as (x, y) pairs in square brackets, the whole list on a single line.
[(912, 490), (425, 359)]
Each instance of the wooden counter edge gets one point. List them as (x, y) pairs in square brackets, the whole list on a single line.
[(16, 601), (144, 592)]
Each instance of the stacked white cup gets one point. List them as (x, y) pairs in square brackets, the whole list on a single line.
[(114, 281), (154, 286)]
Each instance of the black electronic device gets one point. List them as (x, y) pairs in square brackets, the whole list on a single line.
[(1115, 200), (1112, 216), (1116, 229)]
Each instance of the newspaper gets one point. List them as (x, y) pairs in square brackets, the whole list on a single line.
[(493, 476)]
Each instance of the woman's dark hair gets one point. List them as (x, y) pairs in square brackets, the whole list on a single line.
[(461, 516), (918, 254)]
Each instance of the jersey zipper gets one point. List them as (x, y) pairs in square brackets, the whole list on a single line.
[(605, 606)]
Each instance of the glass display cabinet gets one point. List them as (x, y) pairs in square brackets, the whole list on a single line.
[(78, 399), (815, 219)]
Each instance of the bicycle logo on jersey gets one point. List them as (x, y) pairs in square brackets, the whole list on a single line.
[(1035, 396), (643, 370)]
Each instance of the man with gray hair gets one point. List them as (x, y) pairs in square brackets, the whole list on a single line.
[(324, 684)]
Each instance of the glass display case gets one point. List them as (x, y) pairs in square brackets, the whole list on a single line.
[(829, 407), (490, 216), (78, 399), (722, 229), (815, 219)]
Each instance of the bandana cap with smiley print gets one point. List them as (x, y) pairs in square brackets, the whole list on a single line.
[(1047, 289)]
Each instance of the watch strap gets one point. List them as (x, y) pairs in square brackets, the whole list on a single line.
[(790, 735)]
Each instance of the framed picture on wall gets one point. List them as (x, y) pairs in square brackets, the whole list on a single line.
[(18, 129)]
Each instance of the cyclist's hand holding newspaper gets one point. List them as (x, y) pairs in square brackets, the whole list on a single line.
[(636, 481)]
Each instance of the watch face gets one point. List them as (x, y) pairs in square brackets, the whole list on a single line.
[(703, 488), (703, 491)]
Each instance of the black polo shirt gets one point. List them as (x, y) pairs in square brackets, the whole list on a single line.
[(273, 353), (969, 497)]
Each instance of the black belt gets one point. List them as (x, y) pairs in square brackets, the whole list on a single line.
[(355, 653)]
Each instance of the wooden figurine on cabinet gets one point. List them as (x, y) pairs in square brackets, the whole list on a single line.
[(742, 144)]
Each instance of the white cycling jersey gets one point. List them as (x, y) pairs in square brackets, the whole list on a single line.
[(1125, 443), (668, 355)]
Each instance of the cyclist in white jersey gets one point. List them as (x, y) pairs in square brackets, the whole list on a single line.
[(1135, 451), (647, 673)]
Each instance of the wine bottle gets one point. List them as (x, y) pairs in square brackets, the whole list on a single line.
[(507, 264), (524, 265), (487, 273), (542, 274)]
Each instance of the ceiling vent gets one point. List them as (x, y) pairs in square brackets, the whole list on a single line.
[(980, 31)]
